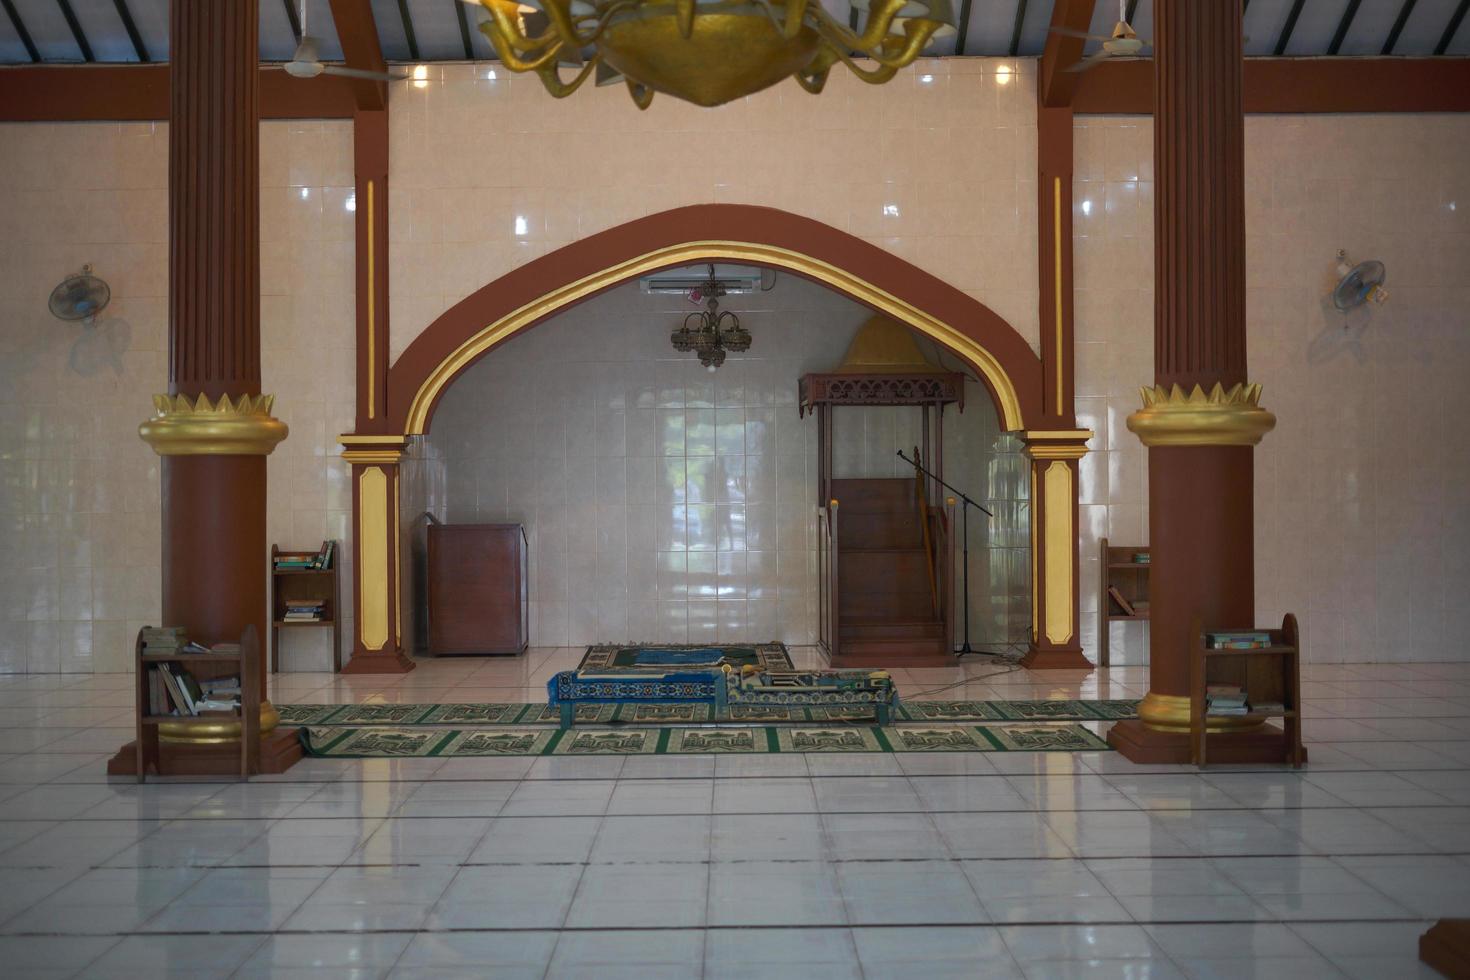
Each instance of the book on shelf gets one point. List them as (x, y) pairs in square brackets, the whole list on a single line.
[(1123, 604), (1237, 640), (1140, 558)]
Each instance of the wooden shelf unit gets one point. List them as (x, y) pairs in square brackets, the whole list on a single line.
[(248, 663), (306, 583), (1131, 579), (1266, 674)]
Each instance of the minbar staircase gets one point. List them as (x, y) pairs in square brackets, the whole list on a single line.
[(891, 578)]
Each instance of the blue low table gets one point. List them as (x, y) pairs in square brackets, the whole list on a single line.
[(725, 687)]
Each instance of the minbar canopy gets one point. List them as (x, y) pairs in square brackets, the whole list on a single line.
[(883, 366)]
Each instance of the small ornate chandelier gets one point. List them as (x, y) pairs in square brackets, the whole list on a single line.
[(715, 331), (706, 51)]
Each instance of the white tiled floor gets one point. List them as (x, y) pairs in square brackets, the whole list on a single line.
[(994, 865)]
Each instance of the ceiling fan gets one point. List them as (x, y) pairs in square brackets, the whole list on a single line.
[(1123, 44), (307, 62)]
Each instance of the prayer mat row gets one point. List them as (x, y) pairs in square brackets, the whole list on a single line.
[(399, 743), (693, 713)]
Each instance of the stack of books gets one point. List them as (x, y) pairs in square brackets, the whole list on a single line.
[(1140, 557), (322, 559), (1237, 640), (1225, 699), (172, 690), (164, 639), (305, 610)]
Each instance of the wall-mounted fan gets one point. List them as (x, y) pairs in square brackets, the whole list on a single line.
[(80, 296), (1358, 284), (307, 62), (1123, 43)]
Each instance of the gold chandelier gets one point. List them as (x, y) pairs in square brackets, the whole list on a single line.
[(705, 51)]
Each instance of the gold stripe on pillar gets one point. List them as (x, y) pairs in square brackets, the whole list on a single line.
[(1057, 510), (372, 290), (397, 573), (372, 531), (1056, 238)]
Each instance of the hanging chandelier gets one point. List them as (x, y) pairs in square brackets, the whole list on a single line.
[(714, 331), (706, 51)]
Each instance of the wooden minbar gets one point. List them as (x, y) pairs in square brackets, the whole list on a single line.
[(885, 545)]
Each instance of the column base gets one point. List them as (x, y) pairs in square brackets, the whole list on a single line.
[(1137, 742), (1446, 947), (279, 751), (1055, 658), (379, 662)]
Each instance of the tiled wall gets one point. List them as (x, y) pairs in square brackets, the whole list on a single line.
[(664, 503), (1362, 506), (937, 166), (79, 506)]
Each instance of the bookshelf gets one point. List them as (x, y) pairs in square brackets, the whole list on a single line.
[(319, 585), (1266, 674), (1119, 571), (247, 661)]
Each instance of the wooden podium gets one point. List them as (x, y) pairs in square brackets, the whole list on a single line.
[(479, 599)]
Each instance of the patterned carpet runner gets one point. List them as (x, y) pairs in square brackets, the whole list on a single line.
[(424, 742), (520, 713)]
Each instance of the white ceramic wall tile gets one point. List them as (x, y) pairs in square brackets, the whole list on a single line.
[(80, 502), (666, 503), (1362, 517), (938, 167)]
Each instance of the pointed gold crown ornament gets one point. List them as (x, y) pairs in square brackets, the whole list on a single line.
[(1218, 417), (184, 426), (708, 52)]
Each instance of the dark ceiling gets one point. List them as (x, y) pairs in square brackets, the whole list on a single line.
[(64, 31)]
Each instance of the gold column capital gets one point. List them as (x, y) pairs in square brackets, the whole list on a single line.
[(373, 450), (185, 426), (1218, 417), (1055, 443)]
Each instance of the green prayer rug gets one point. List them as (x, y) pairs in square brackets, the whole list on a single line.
[(691, 713), (634, 658), (423, 742)]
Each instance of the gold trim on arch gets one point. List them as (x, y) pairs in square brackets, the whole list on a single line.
[(1007, 402)]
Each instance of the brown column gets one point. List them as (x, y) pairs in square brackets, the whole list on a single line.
[(214, 428), (1201, 419)]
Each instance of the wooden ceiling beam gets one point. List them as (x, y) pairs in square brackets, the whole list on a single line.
[(1062, 52), (1298, 85), (140, 93), (358, 34)]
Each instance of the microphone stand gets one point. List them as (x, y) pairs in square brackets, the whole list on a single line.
[(967, 503)]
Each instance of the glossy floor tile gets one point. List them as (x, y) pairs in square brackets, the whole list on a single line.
[(1005, 865)]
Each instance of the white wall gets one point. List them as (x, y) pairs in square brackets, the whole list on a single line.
[(79, 506), (1362, 507), (937, 166), (664, 503)]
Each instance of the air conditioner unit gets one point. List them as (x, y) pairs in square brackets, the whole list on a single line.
[(733, 279)]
